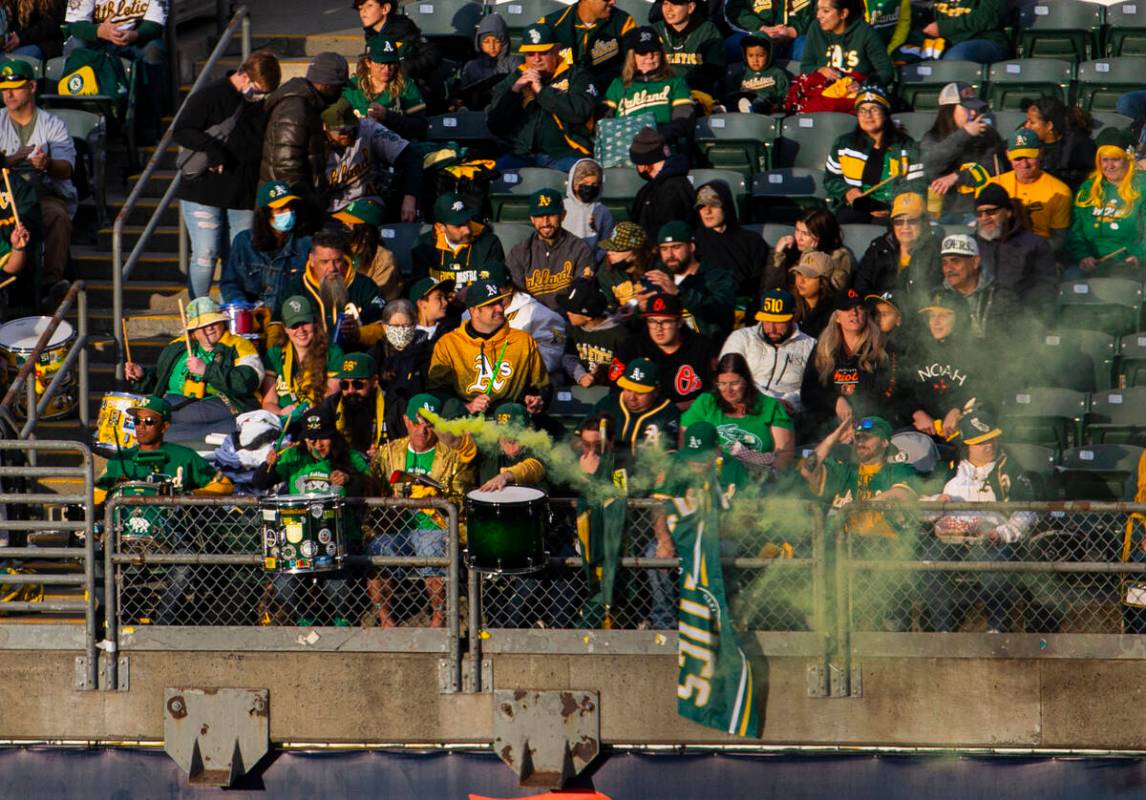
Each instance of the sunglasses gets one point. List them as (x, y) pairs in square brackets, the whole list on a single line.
[(907, 222), (356, 383), (987, 212), (147, 422)]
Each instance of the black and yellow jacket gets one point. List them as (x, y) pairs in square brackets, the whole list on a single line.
[(752, 15), (234, 371), (360, 290), (848, 167), (661, 423), (432, 256), (558, 121), (598, 48)]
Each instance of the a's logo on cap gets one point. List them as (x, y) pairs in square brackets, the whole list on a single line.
[(313, 422), (295, 306), (543, 200), (387, 47), (491, 290), (457, 206), (693, 442), (638, 375), (535, 35), (979, 426), (646, 36), (278, 191)]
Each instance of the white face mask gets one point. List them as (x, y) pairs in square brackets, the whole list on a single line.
[(399, 336)]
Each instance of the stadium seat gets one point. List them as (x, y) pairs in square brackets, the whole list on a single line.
[(445, 19), (1044, 415), (1103, 472), (90, 132), (459, 126), (1110, 305), (1117, 417), (774, 232), (1103, 81), (735, 180), (510, 233), (36, 64), (1131, 361), (1060, 29), (106, 106), (920, 84), (857, 237), (916, 123), (1111, 119), (780, 195), (637, 9), (806, 139), (1007, 121), (1126, 29), (509, 194), (1011, 81), (399, 239), (620, 187), (1031, 457), (737, 141), (1061, 357), (520, 14)]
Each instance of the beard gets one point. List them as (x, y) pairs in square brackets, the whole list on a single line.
[(991, 234)]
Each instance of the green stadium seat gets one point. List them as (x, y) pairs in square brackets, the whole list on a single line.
[(459, 126), (1131, 361), (509, 194), (916, 123), (445, 19), (737, 141), (36, 64), (806, 139), (779, 195), (399, 239), (1117, 416), (1011, 81), (520, 14), (108, 107), (735, 180), (920, 84), (1111, 119), (774, 232), (1061, 350), (1044, 415), (1031, 457), (1067, 29), (1103, 472), (1103, 81), (1007, 121), (620, 187), (510, 233), (637, 9), (1110, 305), (1126, 29), (858, 236), (90, 131)]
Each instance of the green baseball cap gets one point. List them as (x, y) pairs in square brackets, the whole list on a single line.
[(274, 194), (874, 426), (512, 414), (15, 73), (297, 310), (423, 402), (675, 231), (641, 376), (361, 212), (1024, 143), (383, 50), (537, 38), (699, 441), (546, 201), (154, 404), (357, 365), (339, 116), (451, 209), (423, 287), (482, 293), (978, 427)]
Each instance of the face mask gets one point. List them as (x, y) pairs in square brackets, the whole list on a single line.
[(399, 337), (623, 266), (283, 222), (252, 94), (588, 192)]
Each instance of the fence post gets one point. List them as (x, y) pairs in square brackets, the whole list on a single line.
[(819, 685), (474, 633), (452, 594), (110, 600), (840, 669)]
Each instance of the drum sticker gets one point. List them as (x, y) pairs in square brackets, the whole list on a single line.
[(271, 538), (324, 536), (269, 515), (332, 549), (308, 548), (287, 552), (269, 563), (303, 563), (294, 532), (316, 511)]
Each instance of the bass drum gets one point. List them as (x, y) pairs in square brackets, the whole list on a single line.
[(17, 341), (506, 530)]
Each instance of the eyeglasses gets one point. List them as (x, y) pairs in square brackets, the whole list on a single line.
[(907, 222), (356, 383), (661, 323), (987, 212), (869, 111), (147, 422)]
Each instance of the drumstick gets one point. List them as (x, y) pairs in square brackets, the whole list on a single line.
[(186, 333), (602, 427), (126, 340), (496, 367), (8, 280), (11, 197), (879, 185), (1109, 256)]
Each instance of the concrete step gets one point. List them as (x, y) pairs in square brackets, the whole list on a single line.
[(143, 211), (164, 239), (297, 45), (158, 183), (144, 295), (93, 264), (168, 159)]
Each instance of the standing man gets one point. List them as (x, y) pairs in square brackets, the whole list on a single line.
[(363, 156), (38, 147), (592, 36), (546, 264)]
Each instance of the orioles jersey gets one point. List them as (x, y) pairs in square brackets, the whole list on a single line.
[(359, 170), (503, 366), (126, 15)]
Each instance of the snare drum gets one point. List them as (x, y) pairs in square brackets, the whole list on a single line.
[(302, 533), (241, 319), (115, 427), (506, 530), (17, 341), (143, 525)]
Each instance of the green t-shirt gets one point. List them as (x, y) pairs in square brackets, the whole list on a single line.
[(188, 469), (421, 464), (179, 373), (408, 98), (305, 474), (287, 392), (753, 431), (658, 98)]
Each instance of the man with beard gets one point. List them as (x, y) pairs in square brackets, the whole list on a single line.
[(642, 413), (546, 264), (992, 307), (1047, 199), (360, 405), (359, 153), (545, 108), (684, 357), (776, 350), (457, 248), (294, 148), (708, 294), (1018, 259)]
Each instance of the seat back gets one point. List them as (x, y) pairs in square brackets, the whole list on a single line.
[(916, 123), (1066, 29), (399, 239), (920, 84), (807, 139), (509, 194), (1012, 81), (1102, 81), (1044, 415), (1126, 29)]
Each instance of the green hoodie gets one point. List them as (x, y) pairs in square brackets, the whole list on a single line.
[(1109, 227), (963, 20), (858, 49), (752, 15)]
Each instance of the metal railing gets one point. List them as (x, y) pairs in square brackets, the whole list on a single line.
[(121, 270), (75, 362)]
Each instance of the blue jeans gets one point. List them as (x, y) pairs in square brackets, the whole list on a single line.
[(210, 230), (663, 589), (1132, 104), (32, 50), (981, 51), (512, 161), (333, 604)]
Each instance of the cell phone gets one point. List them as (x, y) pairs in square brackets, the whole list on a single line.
[(649, 285)]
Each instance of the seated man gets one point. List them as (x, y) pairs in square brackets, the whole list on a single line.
[(208, 375), (776, 350), (546, 263), (640, 411), (348, 302), (545, 109), (594, 335), (1019, 260), (1047, 199), (485, 361), (668, 196), (359, 156), (155, 461), (38, 147), (693, 46), (707, 292), (457, 249), (417, 466), (360, 405), (684, 358)]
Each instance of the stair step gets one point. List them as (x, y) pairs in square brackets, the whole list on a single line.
[(143, 211), (164, 239), (158, 183), (297, 45), (168, 159), (146, 295), (95, 265)]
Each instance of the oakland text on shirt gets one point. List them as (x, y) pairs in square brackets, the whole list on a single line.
[(953, 9), (757, 83), (603, 50), (643, 99), (545, 281)]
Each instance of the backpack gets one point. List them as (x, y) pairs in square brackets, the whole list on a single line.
[(93, 72)]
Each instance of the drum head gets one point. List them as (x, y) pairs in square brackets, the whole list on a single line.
[(510, 494), (22, 334)]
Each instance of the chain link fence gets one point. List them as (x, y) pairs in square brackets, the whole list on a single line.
[(1039, 568)]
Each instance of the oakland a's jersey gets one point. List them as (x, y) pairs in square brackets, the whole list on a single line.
[(124, 14), (357, 171)]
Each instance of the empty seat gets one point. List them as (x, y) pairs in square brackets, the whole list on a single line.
[(1066, 350), (779, 195), (1126, 29), (920, 84), (1110, 305), (1011, 81), (857, 237), (620, 187), (916, 123), (1066, 29), (445, 19), (1103, 81), (399, 239), (807, 139), (1117, 416), (1131, 361), (1102, 472), (737, 141), (1044, 415), (509, 194), (510, 233)]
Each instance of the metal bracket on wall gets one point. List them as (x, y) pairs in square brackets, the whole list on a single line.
[(216, 735), (122, 675), (486, 678), (846, 679), (817, 676), (546, 738), (82, 683)]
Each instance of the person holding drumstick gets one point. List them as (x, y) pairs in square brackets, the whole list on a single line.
[(300, 372)]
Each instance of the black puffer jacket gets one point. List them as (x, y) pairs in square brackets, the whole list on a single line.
[(294, 149), (879, 270), (667, 197)]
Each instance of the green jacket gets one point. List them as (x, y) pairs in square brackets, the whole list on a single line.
[(410, 99), (845, 483), (558, 122), (187, 468), (431, 256), (361, 291), (847, 167), (233, 373), (1113, 225), (709, 298), (696, 53), (858, 49), (752, 15), (961, 20), (599, 48)]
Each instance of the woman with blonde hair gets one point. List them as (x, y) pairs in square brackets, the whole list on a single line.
[(649, 85), (1107, 229), (381, 90), (299, 371)]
